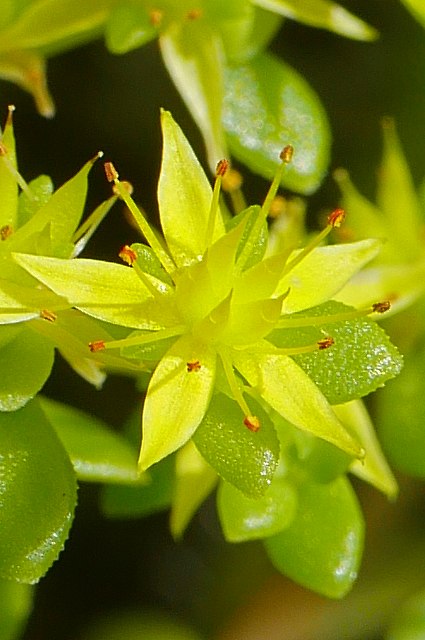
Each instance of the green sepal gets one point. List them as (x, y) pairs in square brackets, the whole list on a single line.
[(192, 53), (257, 245), (37, 499), (285, 101), (25, 363), (322, 548), (361, 359), (184, 195), (244, 518), (292, 393), (129, 26), (318, 460), (195, 480), (245, 459), (97, 453), (15, 606), (149, 262), (324, 14), (177, 399), (155, 494)]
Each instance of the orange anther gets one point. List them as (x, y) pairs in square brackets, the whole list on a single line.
[(97, 345), (252, 422), (287, 153), (336, 218), (193, 365), (128, 255)]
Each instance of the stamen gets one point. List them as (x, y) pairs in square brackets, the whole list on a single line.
[(6, 232), (193, 365), (290, 321), (250, 421), (134, 341), (325, 343), (48, 315), (232, 184), (335, 219), (220, 171), (89, 226), (165, 259), (128, 255), (285, 156), (156, 16), (194, 14), (320, 345)]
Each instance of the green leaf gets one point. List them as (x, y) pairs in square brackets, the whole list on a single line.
[(322, 13), (25, 365), (176, 400), (38, 495), (336, 264), (156, 494), (291, 392), (15, 607), (245, 459), (193, 55), (96, 452), (408, 622), (195, 480), (128, 27), (322, 548), (243, 518), (184, 196), (361, 359), (266, 106)]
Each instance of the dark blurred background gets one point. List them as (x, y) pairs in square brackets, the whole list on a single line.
[(112, 103)]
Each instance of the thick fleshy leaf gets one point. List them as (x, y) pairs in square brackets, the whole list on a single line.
[(96, 452), (266, 106), (290, 391), (408, 622), (322, 548), (184, 195), (128, 27), (15, 607), (323, 272), (37, 498), (245, 459), (322, 13), (193, 55), (8, 183), (156, 494), (25, 365), (374, 468), (361, 359), (195, 480), (243, 518), (108, 291), (177, 399)]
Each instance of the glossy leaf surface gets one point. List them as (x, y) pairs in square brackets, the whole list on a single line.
[(322, 547), (266, 106), (37, 499), (245, 459)]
